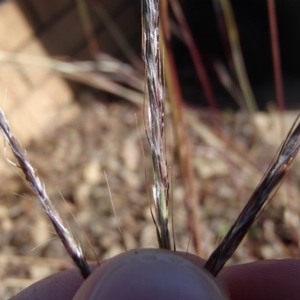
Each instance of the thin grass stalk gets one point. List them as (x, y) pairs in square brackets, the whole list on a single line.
[(117, 35), (87, 25), (72, 247), (119, 71), (182, 140), (237, 56), (279, 90), (223, 33), (124, 71), (196, 56), (228, 83), (234, 90), (264, 192), (156, 118)]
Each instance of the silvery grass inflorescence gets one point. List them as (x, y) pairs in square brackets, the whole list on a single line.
[(156, 118)]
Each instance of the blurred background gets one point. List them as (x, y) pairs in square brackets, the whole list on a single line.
[(71, 86)]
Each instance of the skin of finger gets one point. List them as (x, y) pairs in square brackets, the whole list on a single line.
[(59, 286), (269, 279), (272, 279), (64, 285), (152, 274)]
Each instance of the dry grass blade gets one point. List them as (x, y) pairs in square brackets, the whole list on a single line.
[(72, 247), (83, 72), (262, 193), (156, 114)]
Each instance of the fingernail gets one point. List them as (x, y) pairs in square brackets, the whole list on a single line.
[(150, 274)]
